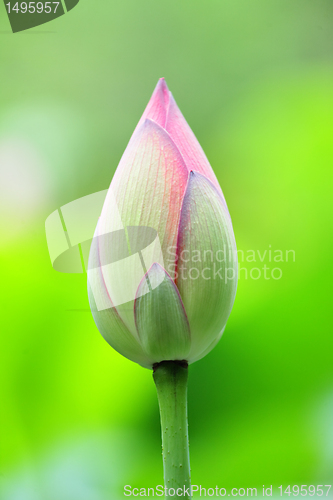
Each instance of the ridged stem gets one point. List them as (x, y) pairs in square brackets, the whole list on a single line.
[(171, 383)]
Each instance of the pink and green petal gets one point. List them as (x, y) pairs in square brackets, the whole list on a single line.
[(148, 190), (187, 143), (206, 282), (149, 184), (162, 108)]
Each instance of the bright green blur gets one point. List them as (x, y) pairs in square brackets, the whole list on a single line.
[(254, 79)]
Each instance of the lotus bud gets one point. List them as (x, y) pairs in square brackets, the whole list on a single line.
[(162, 271)]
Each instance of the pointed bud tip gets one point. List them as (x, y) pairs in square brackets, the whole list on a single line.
[(194, 175), (155, 267), (196, 179), (162, 84)]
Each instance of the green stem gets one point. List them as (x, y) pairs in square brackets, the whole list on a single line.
[(171, 383)]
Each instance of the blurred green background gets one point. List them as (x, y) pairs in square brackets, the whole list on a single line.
[(254, 79)]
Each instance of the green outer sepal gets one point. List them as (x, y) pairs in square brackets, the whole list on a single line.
[(160, 317)]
